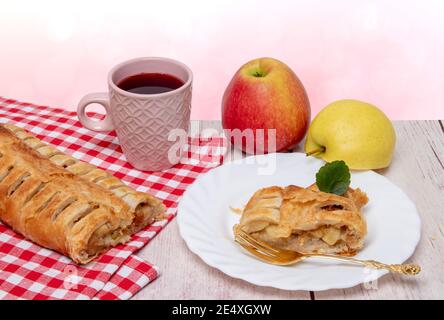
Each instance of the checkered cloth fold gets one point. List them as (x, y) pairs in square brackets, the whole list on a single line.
[(28, 271)]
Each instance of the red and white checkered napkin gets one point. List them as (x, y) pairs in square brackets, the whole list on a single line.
[(29, 271)]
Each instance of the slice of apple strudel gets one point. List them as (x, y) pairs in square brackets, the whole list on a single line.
[(307, 220), (65, 204)]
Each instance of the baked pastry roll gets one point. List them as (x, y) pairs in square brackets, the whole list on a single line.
[(65, 204), (306, 219)]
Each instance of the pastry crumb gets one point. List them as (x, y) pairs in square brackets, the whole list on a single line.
[(236, 210)]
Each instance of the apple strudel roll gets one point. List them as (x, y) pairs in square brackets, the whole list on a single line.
[(307, 220), (65, 204)]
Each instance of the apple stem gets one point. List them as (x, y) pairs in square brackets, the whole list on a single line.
[(258, 74), (315, 151)]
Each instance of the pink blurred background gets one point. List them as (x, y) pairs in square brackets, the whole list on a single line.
[(390, 53)]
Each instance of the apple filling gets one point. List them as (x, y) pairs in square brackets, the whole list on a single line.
[(103, 238), (325, 239)]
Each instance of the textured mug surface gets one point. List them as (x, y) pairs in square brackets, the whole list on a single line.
[(143, 122)]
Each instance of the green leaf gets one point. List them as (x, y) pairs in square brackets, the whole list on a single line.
[(333, 177)]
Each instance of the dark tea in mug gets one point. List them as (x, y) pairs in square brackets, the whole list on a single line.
[(150, 83)]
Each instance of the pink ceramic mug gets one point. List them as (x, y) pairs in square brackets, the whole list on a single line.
[(143, 122)]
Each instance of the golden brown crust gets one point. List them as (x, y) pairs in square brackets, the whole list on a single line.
[(54, 199), (305, 219)]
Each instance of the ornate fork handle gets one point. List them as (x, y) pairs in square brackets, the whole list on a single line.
[(409, 269)]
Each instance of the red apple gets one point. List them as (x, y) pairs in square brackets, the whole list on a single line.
[(265, 94)]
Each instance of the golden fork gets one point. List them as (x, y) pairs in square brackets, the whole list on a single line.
[(284, 257)]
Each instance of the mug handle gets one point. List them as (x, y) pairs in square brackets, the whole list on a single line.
[(101, 98)]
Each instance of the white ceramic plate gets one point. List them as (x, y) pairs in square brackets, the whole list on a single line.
[(206, 222)]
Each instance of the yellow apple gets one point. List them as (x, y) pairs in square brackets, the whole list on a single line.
[(354, 131)]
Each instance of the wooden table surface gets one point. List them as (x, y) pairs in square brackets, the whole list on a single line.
[(417, 168)]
